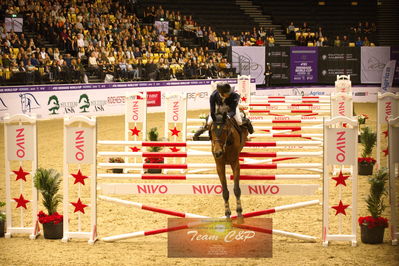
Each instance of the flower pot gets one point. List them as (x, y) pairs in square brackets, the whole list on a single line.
[(53, 231), (365, 169), (154, 171), (117, 170), (373, 235), (2, 228)]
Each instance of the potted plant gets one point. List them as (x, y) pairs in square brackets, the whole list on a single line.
[(153, 136), (372, 227), (365, 162), (48, 182), (116, 160), (2, 219), (361, 119)]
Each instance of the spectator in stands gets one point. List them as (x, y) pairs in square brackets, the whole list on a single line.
[(337, 41), (359, 42), (345, 41), (291, 31), (366, 42)]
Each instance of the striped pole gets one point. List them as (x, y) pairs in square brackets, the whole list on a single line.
[(208, 176), (305, 101), (285, 135), (190, 215), (291, 128), (289, 104), (205, 153), (208, 143), (290, 111), (291, 97), (209, 165)]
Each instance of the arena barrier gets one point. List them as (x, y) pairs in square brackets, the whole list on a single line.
[(20, 144), (191, 215), (393, 141), (387, 107), (80, 149)]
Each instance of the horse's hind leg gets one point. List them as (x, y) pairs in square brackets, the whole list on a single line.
[(222, 177), (237, 191)]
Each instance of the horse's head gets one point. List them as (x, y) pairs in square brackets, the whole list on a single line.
[(220, 132)]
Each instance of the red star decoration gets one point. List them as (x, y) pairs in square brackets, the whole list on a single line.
[(79, 206), (244, 99), (340, 208), (135, 131), (175, 132), (21, 174), (340, 179), (21, 202), (386, 152), (385, 133), (174, 149), (79, 178), (135, 149)]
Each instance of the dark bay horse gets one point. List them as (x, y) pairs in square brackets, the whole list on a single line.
[(227, 143)]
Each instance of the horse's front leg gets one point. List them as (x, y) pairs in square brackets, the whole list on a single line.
[(221, 169), (235, 166)]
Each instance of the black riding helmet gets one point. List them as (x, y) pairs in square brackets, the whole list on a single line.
[(223, 87)]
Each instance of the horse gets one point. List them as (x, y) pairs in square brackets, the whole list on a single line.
[(227, 142)]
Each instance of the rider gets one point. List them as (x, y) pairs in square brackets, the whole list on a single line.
[(224, 100)]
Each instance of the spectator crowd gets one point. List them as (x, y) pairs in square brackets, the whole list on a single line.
[(362, 34), (74, 40)]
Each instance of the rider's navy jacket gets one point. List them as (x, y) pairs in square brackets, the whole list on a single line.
[(232, 102)]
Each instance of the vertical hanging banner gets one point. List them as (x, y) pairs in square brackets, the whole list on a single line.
[(335, 61), (279, 60), (135, 108), (395, 56), (79, 146), (373, 60), (341, 149), (20, 143), (176, 109), (387, 76), (303, 64)]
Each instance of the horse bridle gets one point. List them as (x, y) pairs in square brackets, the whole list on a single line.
[(221, 141)]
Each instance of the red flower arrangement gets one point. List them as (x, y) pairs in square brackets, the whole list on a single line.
[(44, 218), (372, 222), (154, 160), (366, 160)]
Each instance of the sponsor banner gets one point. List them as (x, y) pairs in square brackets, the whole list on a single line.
[(361, 94), (387, 76), (207, 189), (79, 145), (373, 60), (250, 60), (136, 108), (20, 142), (220, 238), (56, 101), (395, 56), (279, 60), (341, 149), (335, 61), (303, 65)]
